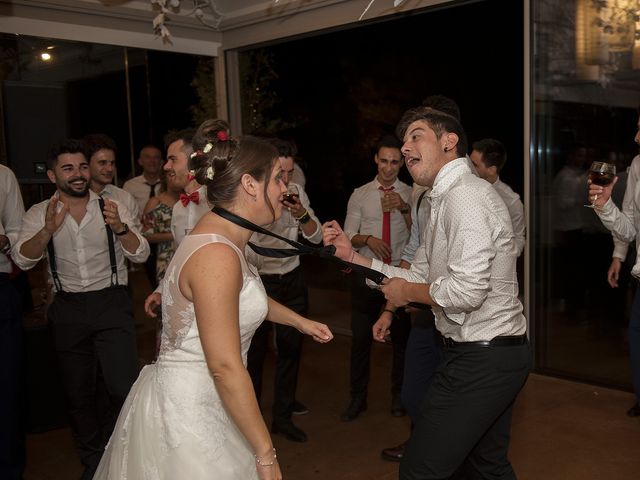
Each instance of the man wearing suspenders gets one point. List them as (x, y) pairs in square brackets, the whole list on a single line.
[(86, 239)]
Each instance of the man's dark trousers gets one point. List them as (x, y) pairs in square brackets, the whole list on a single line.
[(366, 305), (95, 342), (290, 290), (465, 418), (12, 450)]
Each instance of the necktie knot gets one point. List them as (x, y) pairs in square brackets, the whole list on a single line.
[(185, 198), (386, 189), (152, 188)]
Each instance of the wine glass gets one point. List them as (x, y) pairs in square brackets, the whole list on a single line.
[(291, 195), (601, 173)]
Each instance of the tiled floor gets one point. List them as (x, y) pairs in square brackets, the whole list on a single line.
[(561, 430)]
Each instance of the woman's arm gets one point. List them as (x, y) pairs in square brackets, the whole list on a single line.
[(212, 279), (278, 313)]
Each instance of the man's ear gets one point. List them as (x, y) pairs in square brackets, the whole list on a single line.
[(451, 140), (51, 175), (375, 158)]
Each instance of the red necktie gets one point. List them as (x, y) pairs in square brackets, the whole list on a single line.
[(386, 225), (185, 198)]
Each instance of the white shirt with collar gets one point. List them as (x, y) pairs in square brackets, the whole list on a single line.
[(82, 251), (364, 217), (11, 212), (140, 190), (183, 219), (469, 257), (286, 226), (625, 224), (516, 212), (123, 197)]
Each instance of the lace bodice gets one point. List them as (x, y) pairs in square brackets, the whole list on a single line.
[(179, 329)]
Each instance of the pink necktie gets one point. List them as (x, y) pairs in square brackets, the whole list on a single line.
[(386, 225)]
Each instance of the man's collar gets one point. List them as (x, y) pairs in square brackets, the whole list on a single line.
[(449, 172)]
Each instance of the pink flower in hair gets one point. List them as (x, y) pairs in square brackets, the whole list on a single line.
[(222, 136)]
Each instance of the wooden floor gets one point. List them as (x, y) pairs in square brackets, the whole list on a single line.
[(561, 430)]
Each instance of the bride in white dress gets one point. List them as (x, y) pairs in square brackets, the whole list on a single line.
[(193, 414)]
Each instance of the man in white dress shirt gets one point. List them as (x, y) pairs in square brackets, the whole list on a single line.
[(378, 222), (489, 157), (466, 270), (102, 169), (147, 185), (191, 206), (91, 314), (284, 282), (12, 453), (625, 226)]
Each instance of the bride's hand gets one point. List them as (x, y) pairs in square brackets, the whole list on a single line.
[(332, 234), (318, 331)]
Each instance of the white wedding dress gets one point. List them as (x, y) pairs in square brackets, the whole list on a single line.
[(173, 424)]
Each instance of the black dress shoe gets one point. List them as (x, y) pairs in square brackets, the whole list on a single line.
[(394, 454), (634, 411), (289, 431), (397, 410), (299, 408), (355, 408)]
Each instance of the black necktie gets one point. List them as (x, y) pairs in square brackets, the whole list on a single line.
[(327, 251), (152, 191)]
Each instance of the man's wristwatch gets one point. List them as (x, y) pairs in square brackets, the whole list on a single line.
[(125, 230)]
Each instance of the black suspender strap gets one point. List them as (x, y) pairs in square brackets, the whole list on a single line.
[(112, 249), (53, 267), (112, 257), (420, 201)]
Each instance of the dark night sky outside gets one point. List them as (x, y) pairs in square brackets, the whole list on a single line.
[(344, 89)]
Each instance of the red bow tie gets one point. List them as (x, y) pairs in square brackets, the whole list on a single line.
[(190, 197)]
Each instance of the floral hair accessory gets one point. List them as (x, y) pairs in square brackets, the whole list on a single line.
[(207, 148), (222, 135), (195, 154), (210, 173), (192, 175)]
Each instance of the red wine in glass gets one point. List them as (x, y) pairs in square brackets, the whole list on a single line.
[(601, 173)]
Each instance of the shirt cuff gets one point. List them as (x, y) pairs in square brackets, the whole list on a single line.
[(439, 296)]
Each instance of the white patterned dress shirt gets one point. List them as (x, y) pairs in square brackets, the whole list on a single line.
[(468, 257), (11, 212)]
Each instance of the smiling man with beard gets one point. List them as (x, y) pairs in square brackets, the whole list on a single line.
[(86, 240)]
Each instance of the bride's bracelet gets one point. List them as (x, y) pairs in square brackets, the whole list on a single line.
[(261, 462)]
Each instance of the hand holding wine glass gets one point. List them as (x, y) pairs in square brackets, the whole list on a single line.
[(602, 178)]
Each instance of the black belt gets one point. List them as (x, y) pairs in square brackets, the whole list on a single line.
[(505, 341)]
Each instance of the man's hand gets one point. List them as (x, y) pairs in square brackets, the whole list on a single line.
[(598, 195), (381, 249), (53, 219), (394, 291), (4, 243), (614, 272), (111, 216), (395, 202), (151, 303), (332, 234), (294, 206), (381, 327)]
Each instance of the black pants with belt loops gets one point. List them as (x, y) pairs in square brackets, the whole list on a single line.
[(95, 342), (465, 419)]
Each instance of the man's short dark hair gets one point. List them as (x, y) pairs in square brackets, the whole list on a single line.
[(493, 152), (99, 141), (68, 145), (444, 104), (388, 141), (186, 135), (438, 121), (286, 148)]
